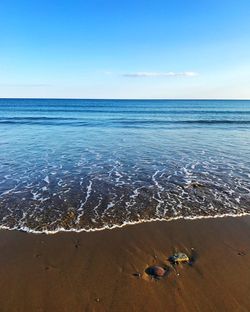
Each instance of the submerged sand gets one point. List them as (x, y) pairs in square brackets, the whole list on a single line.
[(105, 271)]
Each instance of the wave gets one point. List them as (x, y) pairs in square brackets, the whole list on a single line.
[(115, 226), (124, 110), (200, 121), (36, 118), (73, 121)]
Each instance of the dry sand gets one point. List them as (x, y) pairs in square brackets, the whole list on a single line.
[(95, 271)]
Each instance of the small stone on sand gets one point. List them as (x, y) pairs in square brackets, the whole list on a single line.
[(137, 274), (156, 271)]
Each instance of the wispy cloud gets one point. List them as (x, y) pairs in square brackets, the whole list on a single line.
[(160, 74), (29, 85)]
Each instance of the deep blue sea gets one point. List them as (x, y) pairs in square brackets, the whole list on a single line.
[(89, 164)]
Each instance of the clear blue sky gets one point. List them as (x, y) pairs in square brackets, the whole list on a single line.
[(125, 49)]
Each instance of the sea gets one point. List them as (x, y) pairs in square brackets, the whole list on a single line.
[(88, 165)]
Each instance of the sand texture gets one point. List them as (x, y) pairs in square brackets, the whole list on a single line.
[(105, 271)]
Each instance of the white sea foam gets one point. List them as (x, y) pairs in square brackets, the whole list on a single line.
[(115, 226), (80, 209), (89, 189), (46, 179)]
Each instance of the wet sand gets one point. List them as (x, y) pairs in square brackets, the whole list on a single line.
[(98, 271)]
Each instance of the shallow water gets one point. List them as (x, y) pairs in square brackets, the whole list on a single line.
[(86, 164)]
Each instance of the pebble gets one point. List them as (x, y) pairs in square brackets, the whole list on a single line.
[(137, 274), (156, 271)]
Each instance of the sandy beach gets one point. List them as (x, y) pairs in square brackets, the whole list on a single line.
[(105, 271)]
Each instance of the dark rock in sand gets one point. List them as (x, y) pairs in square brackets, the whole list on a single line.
[(156, 271), (241, 253), (137, 274)]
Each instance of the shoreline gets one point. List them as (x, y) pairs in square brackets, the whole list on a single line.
[(97, 271), (129, 223)]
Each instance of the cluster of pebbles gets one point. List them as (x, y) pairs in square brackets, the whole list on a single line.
[(160, 271)]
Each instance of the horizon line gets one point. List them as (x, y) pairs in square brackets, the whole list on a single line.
[(125, 99)]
